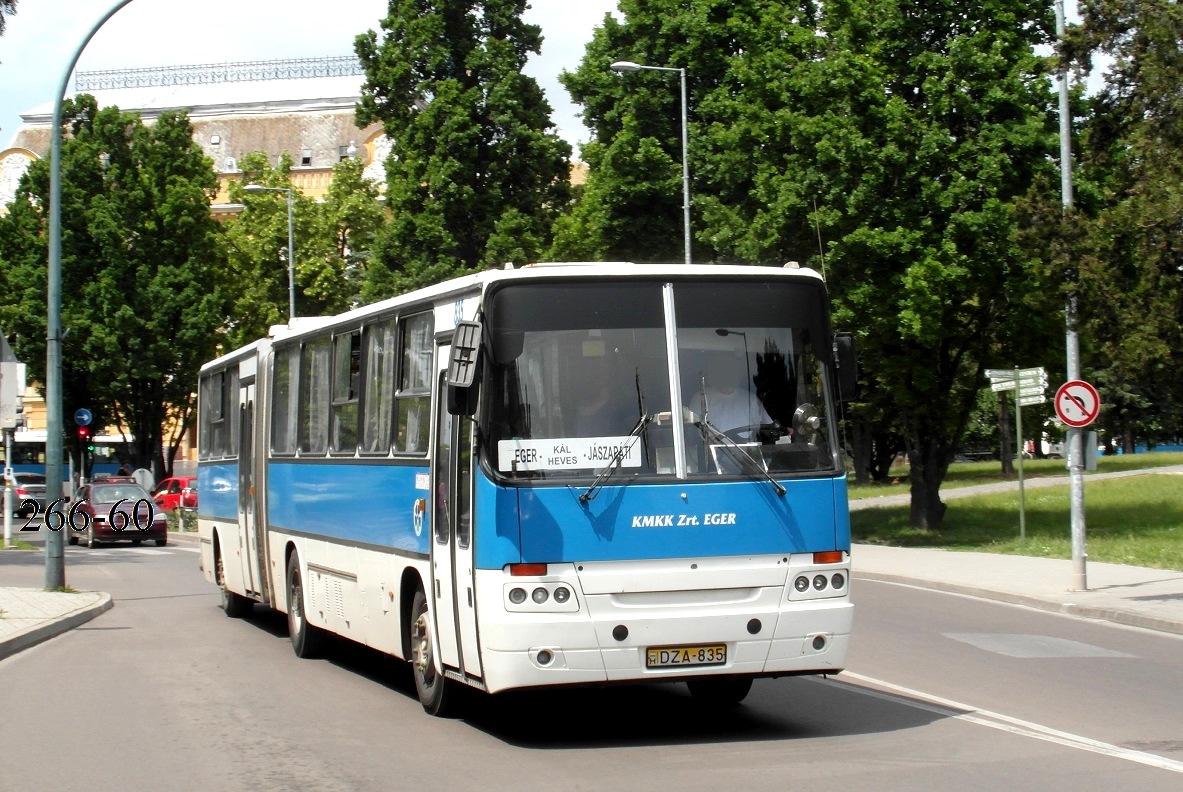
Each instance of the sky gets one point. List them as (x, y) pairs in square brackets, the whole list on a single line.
[(43, 35)]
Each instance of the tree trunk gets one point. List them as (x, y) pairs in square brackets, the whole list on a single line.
[(1004, 437), (929, 461)]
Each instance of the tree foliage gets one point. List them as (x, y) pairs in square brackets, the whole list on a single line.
[(141, 300), (331, 237), (1130, 275), (476, 172), (900, 136)]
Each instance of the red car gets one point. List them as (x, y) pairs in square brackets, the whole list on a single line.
[(115, 512), (178, 491)]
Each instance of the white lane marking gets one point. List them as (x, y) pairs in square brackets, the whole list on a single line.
[(111, 553), (1032, 646), (996, 720)]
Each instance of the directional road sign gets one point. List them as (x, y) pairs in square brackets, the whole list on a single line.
[(1030, 380), (1077, 403)]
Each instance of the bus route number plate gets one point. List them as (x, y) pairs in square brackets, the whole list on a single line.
[(670, 656)]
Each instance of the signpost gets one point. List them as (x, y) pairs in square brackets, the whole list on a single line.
[(1077, 404), (1028, 385)]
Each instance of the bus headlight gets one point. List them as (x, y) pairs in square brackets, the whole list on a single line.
[(817, 576), (543, 596)]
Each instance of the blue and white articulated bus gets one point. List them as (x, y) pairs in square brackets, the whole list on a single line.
[(563, 474)]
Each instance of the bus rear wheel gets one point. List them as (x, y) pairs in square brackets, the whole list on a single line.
[(307, 641), (720, 691), (434, 690)]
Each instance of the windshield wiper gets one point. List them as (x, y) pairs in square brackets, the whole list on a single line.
[(617, 458), (737, 452)]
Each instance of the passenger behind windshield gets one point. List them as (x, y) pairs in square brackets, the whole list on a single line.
[(606, 402)]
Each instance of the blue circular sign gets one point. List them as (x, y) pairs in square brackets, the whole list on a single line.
[(82, 417)]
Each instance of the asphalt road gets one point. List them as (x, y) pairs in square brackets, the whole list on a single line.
[(943, 692)]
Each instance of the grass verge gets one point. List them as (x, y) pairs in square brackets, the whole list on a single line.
[(1136, 520), (968, 474)]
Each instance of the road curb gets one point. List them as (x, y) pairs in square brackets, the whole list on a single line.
[(1114, 615), (53, 627)]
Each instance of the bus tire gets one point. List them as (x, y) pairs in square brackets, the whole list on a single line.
[(307, 641), (435, 691), (720, 691), (235, 605)]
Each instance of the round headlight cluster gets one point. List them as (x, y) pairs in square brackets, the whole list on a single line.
[(835, 582), (540, 595)]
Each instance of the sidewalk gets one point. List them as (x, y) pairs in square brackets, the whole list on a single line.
[(1135, 596), (30, 616)]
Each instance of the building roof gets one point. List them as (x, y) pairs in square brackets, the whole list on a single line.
[(303, 107)]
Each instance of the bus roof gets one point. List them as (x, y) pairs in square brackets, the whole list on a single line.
[(477, 282)]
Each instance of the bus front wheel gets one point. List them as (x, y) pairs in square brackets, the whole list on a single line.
[(720, 691), (433, 688), (307, 641), (235, 605)]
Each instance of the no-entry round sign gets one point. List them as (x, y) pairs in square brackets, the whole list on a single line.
[(1077, 403)]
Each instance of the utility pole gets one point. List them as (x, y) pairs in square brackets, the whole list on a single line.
[(1072, 340)]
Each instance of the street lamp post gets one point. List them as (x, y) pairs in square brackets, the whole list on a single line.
[(629, 66), (55, 565), (291, 245)]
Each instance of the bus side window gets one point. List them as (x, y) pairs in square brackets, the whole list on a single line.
[(414, 389), (315, 396)]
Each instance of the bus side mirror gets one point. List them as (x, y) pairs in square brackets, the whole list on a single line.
[(462, 368), (847, 365)]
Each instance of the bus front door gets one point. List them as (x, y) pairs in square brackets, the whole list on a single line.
[(451, 547), (247, 501)]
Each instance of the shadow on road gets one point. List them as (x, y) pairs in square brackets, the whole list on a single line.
[(637, 715)]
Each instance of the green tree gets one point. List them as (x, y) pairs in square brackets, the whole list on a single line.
[(476, 172), (1130, 273), (343, 231), (333, 239), (898, 138), (141, 301), (631, 205)]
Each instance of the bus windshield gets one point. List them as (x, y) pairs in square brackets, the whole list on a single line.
[(581, 380)]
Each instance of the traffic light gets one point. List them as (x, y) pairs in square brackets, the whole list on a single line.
[(85, 441)]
